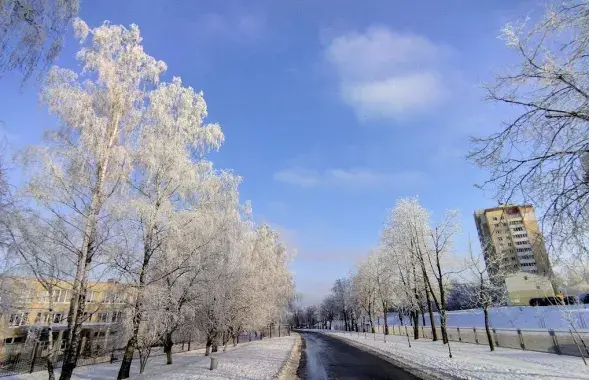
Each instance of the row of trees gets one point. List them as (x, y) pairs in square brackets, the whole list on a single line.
[(411, 273), (124, 189)]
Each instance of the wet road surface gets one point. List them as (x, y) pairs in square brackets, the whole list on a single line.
[(324, 357)]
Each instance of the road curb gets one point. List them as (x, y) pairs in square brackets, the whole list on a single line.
[(289, 369), (416, 371)]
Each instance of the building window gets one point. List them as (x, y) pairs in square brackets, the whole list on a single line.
[(500, 238), (116, 317), (61, 296), (103, 317), (512, 258), (494, 218), (91, 296), (57, 317), (18, 319)]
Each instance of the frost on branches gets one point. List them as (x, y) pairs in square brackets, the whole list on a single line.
[(541, 155), (124, 186), (31, 33)]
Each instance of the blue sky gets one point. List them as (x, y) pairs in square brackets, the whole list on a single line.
[(331, 109)]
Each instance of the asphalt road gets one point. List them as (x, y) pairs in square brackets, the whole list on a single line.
[(324, 357)]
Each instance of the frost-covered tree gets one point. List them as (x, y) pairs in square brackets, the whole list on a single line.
[(38, 243), (541, 154), (489, 289), (407, 232), (328, 311), (86, 160), (31, 33), (170, 184), (440, 261), (365, 289)]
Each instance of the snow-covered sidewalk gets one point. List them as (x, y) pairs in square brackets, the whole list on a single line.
[(469, 361), (256, 360)]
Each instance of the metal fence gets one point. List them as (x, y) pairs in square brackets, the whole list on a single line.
[(28, 358), (31, 358), (560, 342)]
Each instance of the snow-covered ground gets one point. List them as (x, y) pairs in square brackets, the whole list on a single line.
[(256, 360), (520, 317), (470, 361)]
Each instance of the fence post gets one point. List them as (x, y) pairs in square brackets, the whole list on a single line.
[(459, 336), (579, 347), (521, 339), (35, 353), (555, 342), (476, 337)]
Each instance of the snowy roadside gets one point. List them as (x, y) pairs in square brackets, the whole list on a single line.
[(256, 360), (470, 361)]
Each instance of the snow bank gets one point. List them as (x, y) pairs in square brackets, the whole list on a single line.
[(470, 361), (256, 360)]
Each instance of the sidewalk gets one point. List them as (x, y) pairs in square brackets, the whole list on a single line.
[(470, 361), (256, 360)]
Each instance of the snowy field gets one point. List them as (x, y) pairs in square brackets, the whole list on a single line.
[(470, 361), (256, 360), (522, 317)]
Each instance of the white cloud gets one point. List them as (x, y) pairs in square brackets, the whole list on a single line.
[(347, 178), (387, 75)]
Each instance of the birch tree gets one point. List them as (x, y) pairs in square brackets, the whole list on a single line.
[(31, 33), (39, 247), (86, 160), (168, 169), (406, 230), (439, 258), (489, 275)]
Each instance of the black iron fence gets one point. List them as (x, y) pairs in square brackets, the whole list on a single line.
[(24, 358), (31, 357)]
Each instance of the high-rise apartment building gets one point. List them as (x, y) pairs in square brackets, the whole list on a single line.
[(510, 237)]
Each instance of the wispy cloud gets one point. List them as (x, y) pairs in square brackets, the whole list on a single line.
[(363, 178), (384, 74), (235, 26)]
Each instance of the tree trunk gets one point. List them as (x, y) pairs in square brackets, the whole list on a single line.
[(73, 348), (168, 344), (443, 323), (415, 318), (78, 299), (431, 315), (488, 328), (50, 343), (125, 368), (386, 324), (208, 346)]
